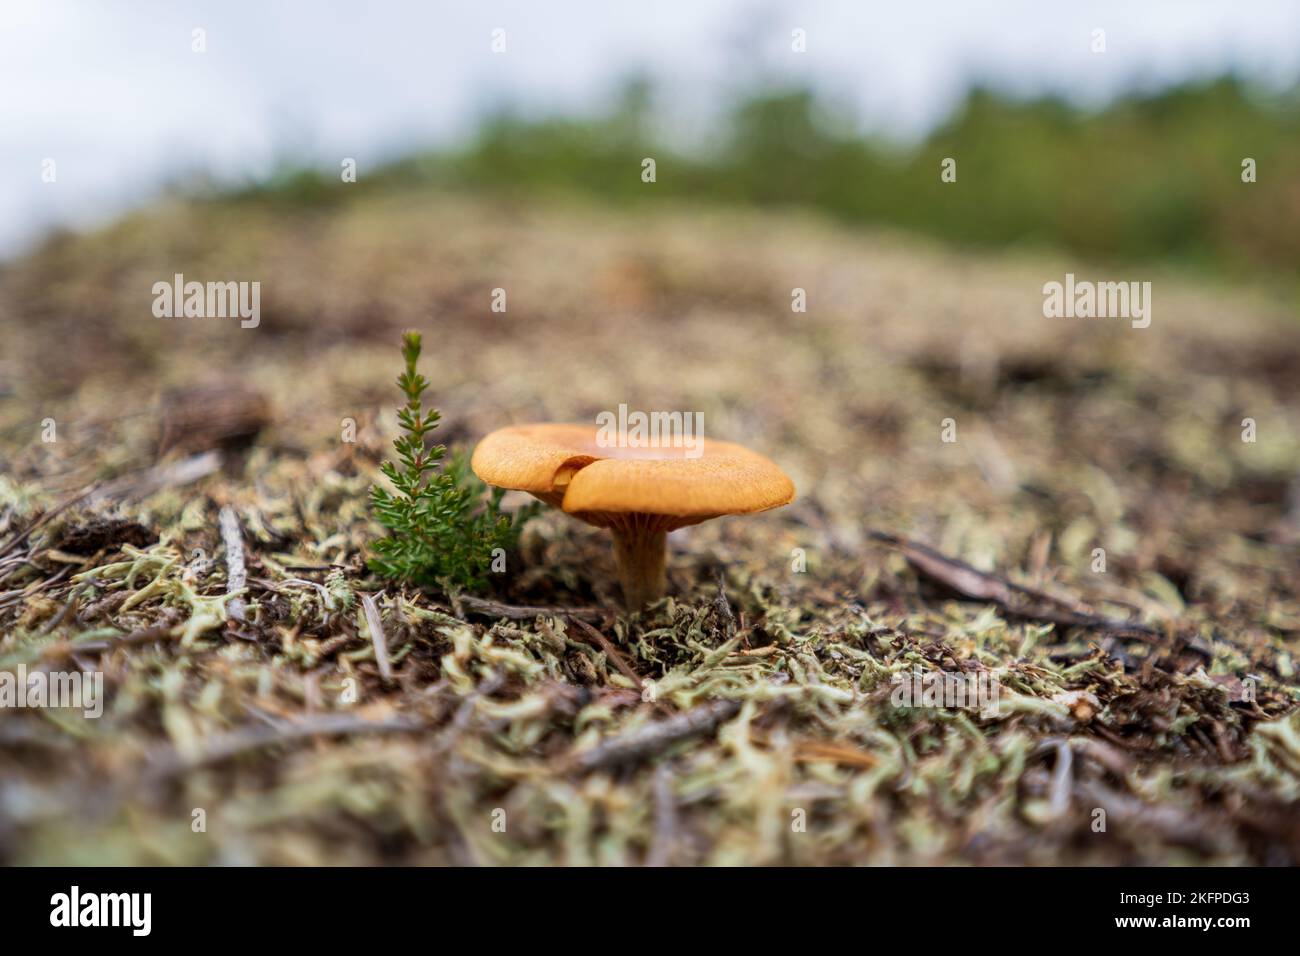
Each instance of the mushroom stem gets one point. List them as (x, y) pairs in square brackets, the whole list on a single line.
[(640, 553)]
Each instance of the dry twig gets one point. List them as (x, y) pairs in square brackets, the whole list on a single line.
[(236, 572), (637, 745)]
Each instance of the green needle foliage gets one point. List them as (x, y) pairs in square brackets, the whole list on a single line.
[(441, 530)]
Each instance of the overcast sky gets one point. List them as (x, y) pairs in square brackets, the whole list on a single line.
[(112, 91)]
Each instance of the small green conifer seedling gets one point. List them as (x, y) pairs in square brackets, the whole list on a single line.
[(444, 528)]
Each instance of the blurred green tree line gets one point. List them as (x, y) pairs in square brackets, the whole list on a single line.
[(1152, 176)]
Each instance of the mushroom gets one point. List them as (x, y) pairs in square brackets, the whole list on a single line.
[(638, 493)]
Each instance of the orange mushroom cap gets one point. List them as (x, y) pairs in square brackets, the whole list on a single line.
[(565, 466)]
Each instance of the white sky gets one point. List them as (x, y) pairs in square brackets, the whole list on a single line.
[(111, 90)]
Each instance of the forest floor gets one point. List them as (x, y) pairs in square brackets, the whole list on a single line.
[(1099, 542)]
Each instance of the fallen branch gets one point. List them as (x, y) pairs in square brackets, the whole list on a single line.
[(1015, 599), (10, 598), (665, 833), (1167, 820), (514, 612), (611, 651), (71, 603), (145, 483), (20, 536), (636, 745), (828, 751), (222, 747), (159, 632), (1062, 780), (236, 573), (377, 638)]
